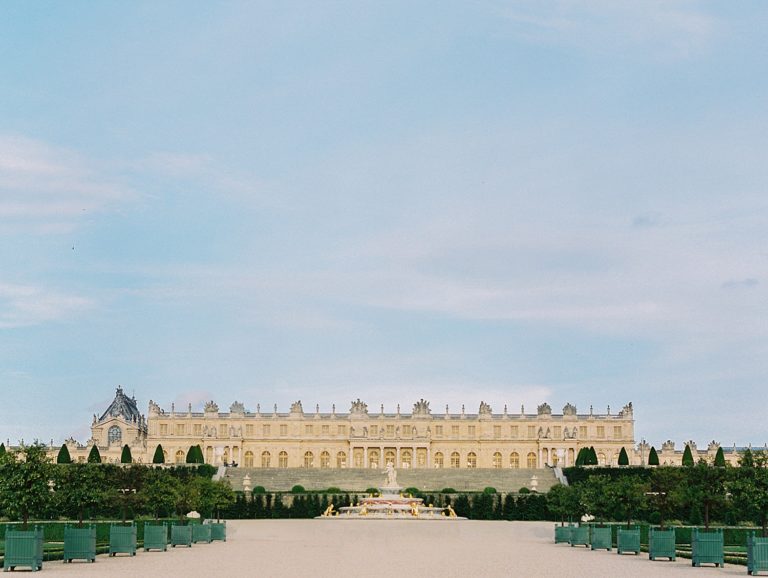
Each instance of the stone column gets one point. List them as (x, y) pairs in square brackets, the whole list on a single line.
[(365, 457), (429, 456), (397, 457)]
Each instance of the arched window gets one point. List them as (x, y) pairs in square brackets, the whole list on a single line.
[(389, 458), (209, 455), (471, 460), (601, 458), (545, 455), (571, 459), (248, 459), (325, 460), (373, 458), (532, 461), (341, 460), (455, 460), (180, 457), (497, 460), (266, 458), (421, 457), (514, 460), (282, 460), (358, 458), (225, 456), (114, 435), (439, 460), (309, 460), (555, 458), (406, 458)]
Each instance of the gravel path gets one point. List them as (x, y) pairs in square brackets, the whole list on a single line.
[(385, 548)]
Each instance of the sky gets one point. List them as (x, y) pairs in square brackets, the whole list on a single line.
[(510, 202)]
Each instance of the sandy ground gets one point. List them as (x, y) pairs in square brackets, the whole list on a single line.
[(379, 548)]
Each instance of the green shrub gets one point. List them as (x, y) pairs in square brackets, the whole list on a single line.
[(159, 457), (653, 457), (94, 456), (298, 489), (125, 455), (259, 490), (412, 491), (64, 457), (448, 491), (489, 490), (623, 457), (372, 491), (333, 490), (524, 490), (687, 456)]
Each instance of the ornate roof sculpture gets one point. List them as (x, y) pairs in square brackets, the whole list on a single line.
[(211, 407), (296, 407), (569, 409), (122, 406), (485, 409), (544, 409), (358, 407), (237, 408), (421, 407)]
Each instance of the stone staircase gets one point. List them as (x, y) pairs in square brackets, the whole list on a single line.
[(358, 480)]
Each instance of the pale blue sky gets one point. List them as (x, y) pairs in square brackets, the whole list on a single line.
[(514, 202)]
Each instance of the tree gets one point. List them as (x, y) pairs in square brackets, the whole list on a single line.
[(564, 502), (63, 457), (94, 456), (653, 457), (749, 487), (159, 457), (161, 492), (24, 489), (628, 496), (80, 487), (623, 457), (706, 487), (596, 496), (591, 457), (2, 450), (125, 455), (719, 458), (666, 490), (688, 457), (580, 458), (195, 455)]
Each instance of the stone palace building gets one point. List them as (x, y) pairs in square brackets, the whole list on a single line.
[(359, 438)]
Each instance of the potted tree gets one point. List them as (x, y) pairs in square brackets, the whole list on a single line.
[(80, 487)]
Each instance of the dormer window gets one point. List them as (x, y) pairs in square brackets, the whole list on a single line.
[(115, 435)]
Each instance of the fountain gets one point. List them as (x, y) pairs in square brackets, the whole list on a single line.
[(390, 504)]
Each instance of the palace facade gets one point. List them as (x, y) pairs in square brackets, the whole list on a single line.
[(360, 438)]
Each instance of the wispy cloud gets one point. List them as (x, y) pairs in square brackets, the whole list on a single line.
[(27, 305)]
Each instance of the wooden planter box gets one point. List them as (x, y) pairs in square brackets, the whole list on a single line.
[(122, 540), (757, 554), (562, 534), (219, 531), (201, 533), (79, 543), (628, 540), (661, 544), (155, 537), (181, 536), (23, 548), (602, 538), (580, 536), (707, 547)]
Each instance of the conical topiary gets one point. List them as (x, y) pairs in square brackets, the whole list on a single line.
[(653, 457), (687, 457), (199, 454), (623, 457), (591, 457), (719, 458), (63, 457), (2, 450), (125, 455), (94, 456), (580, 458), (159, 457)]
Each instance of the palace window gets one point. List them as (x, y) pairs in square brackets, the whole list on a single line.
[(406, 458), (455, 431), (532, 461), (180, 429), (266, 458), (497, 460), (114, 435), (282, 459), (248, 461), (389, 458), (471, 431), (439, 460), (471, 460), (617, 432), (374, 430), (513, 432), (531, 432), (341, 430), (283, 429), (601, 458), (421, 457), (326, 430), (558, 432), (180, 457), (249, 430), (163, 429), (325, 460), (455, 460), (582, 432), (438, 430), (341, 460), (209, 455), (373, 459), (309, 460), (496, 431), (266, 430), (308, 429), (514, 460), (197, 430), (601, 431), (223, 430), (390, 431)]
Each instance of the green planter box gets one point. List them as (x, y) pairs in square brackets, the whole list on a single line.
[(219, 531), (707, 547), (155, 537), (562, 534), (23, 548), (661, 544), (122, 540), (181, 536), (757, 554), (601, 538), (580, 536), (628, 540), (201, 533), (79, 543)]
